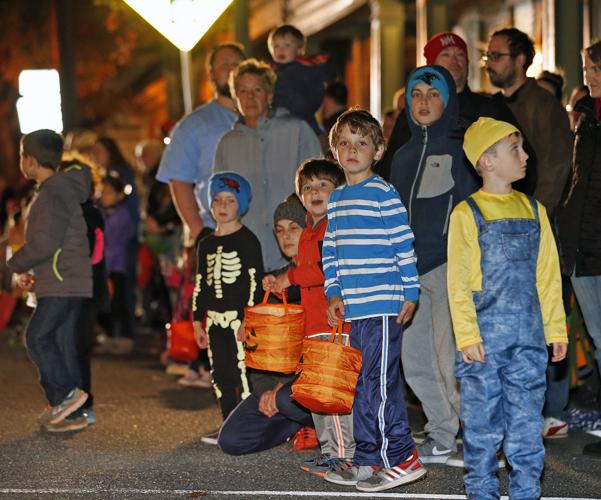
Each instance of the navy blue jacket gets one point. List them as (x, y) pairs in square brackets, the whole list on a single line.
[(432, 176), (301, 84)]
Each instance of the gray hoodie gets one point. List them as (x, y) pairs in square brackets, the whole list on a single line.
[(56, 246)]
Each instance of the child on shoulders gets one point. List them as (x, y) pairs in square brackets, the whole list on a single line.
[(301, 81)]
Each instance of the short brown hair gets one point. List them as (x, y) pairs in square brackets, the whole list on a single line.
[(236, 47), (319, 168), (253, 67), (287, 29), (358, 121), (594, 52)]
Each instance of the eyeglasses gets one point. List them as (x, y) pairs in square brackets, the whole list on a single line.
[(495, 56)]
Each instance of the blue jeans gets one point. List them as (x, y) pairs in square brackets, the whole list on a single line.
[(588, 294), (52, 345)]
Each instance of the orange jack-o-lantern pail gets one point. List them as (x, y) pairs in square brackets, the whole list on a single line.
[(274, 335), (181, 343), (328, 373)]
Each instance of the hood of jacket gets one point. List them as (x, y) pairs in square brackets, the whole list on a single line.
[(73, 178), (443, 125)]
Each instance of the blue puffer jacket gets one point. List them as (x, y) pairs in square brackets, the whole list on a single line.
[(431, 177)]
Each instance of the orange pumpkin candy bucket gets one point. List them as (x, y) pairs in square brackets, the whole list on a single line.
[(328, 373), (181, 343), (274, 335)]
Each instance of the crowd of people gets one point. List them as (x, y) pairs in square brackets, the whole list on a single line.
[(445, 244)]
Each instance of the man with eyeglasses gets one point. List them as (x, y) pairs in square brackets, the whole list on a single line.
[(540, 116), (450, 51)]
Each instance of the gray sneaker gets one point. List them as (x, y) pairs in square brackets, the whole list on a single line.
[(456, 460), (68, 424), (384, 479), (349, 474), (432, 452), (74, 400)]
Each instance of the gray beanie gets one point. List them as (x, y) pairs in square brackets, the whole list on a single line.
[(292, 209)]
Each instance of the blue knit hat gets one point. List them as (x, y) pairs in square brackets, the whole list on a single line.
[(234, 183), (430, 76)]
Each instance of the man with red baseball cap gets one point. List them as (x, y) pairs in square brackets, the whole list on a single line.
[(450, 51)]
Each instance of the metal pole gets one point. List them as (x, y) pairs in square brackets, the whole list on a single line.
[(185, 60)]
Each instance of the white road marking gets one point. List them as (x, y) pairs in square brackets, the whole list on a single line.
[(259, 493)]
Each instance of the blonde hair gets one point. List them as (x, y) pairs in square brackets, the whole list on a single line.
[(253, 67)]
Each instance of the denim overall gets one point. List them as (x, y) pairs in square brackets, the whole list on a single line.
[(502, 399)]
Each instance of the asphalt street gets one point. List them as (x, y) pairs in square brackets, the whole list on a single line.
[(146, 445)]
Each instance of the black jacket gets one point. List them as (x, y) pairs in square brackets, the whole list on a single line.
[(578, 215)]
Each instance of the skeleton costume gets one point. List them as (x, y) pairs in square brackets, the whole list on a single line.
[(229, 270)]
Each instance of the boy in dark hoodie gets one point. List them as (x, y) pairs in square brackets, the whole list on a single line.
[(54, 263), (431, 177)]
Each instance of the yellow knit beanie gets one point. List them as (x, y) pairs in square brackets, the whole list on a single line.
[(482, 134)]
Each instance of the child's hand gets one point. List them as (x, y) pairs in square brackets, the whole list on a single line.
[(560, 349), (268, 283), (241, 333), (406, 312), (26, 281), (335, 310), (474, 352), (281, 283), (201, 337)]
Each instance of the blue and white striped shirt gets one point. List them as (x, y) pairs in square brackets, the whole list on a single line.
[(368, 257)]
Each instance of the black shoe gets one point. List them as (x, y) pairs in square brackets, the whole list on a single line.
[(593, 449)]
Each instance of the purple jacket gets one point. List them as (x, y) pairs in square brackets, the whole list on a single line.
[(119, 231)]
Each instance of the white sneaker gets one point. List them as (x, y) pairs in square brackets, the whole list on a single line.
[(210, 438), (554, 428), (194, 379)]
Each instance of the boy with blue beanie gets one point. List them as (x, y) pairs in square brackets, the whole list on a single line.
[(431, 177), (229, 269), (505, 299)]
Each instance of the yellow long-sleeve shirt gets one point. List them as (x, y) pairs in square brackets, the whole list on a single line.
[(464, 272)]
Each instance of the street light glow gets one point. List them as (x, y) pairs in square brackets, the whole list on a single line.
[(182, 22), (40, 103)]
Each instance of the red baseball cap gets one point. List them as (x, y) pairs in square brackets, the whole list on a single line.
[(441, 41)]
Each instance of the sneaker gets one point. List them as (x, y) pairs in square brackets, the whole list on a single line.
[(349, 474), (90, 416), (194, 379), (174, 368), (432, 452), (305, 439), (210, 438), (67, 424), (410, 470), (456, 460), (593, 449), (72, 402), (554, 428), (321, 464)]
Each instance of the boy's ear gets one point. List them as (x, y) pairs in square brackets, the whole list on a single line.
[(485, 162), (379, 152)]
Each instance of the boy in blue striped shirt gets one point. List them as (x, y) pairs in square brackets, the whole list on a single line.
[(371, 280)]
